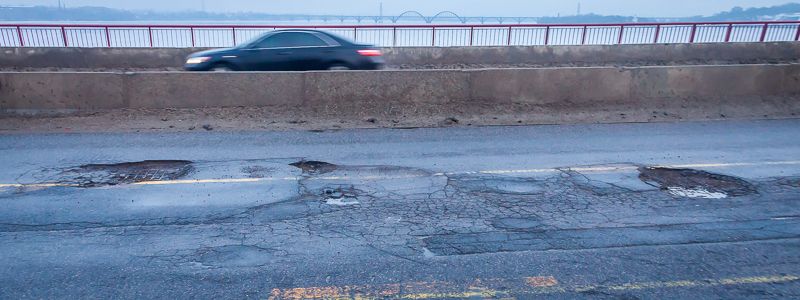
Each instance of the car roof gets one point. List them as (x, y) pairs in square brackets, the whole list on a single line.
[(308, 30), (338, 38)]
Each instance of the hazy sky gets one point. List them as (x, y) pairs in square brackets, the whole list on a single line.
[(647, 8)]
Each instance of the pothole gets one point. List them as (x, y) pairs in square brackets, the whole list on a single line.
[(95, 175), (340, 196), (503, 185), (692, 183), (314, 167)]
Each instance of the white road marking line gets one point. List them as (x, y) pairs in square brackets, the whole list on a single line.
[(728, 165), (226, 180), (598, 169)]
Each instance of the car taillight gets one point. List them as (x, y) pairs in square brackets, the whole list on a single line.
[(370, 52)]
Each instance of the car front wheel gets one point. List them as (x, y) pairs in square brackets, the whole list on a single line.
[(221, 68)]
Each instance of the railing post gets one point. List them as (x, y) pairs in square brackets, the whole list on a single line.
[(728, 33), (658, 33), (509, 36), (191, 29), (764, 33), (233, 30), (355, 34), (150, 32), (694, 31), (394, 36), (583, 36), (797, 35), (546, 35), (21, 40), (433, 40), (472, 31), (621, 32), (108, 38), (64, 36)]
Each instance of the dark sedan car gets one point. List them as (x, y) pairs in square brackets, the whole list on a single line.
[(289, 50)]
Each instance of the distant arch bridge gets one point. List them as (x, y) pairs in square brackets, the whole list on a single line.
[(407, 16)]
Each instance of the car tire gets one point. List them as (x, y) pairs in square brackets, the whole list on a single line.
[(222, 68), (339, 67)]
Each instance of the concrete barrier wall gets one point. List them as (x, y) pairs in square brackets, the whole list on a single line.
[(430, 57), (546, 95), (595, 55)]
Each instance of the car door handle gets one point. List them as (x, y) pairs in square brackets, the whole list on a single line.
[(285, 53)]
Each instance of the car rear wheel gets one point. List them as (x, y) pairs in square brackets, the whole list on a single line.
[(339, 67)]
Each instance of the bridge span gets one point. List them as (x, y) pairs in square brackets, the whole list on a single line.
[(405, 17)]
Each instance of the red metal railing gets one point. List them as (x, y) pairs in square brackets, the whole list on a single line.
[(441, 35)]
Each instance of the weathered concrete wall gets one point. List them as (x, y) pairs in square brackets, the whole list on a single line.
[(61, 91), (544, 95), (430, 57), (595, 55), (190, 90)]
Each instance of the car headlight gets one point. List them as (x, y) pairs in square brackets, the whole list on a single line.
[(197, 60)]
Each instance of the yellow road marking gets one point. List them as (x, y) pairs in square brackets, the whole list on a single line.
[(541, 281), (507, 288), (598, 169)]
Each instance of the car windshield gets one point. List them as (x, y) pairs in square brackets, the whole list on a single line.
[(252, 40)]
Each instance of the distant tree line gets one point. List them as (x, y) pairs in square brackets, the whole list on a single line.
[(738, 13), (789, 11), (41, 13)]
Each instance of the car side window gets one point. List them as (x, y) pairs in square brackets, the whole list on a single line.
[(308, 40), (275, 40), (291, 39)]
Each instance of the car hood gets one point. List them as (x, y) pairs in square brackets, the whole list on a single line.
[(211, 52)]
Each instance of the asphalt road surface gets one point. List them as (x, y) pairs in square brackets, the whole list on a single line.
[(628, 211)]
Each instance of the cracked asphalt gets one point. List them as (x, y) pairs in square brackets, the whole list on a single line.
[(707, 210)]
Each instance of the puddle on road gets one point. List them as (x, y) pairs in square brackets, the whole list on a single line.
[(695, 193), (338, 183), (341, 196), (692, 183), (97, 175), (502, 185)]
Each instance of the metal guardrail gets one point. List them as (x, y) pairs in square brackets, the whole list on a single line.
[(180, 36)]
